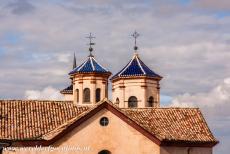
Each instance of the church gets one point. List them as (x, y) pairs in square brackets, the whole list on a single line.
[(87, 122)]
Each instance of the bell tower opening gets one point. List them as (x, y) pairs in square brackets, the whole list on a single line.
[(132, 102), (117, 102), (151, 101), (98, 94), (86, 95), (77, 95)]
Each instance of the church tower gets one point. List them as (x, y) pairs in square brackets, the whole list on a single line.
[(136, 85), (90, 80)]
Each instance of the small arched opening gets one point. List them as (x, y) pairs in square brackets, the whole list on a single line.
[(86, 95), (98, 94), (77, 95), (132, 102), (151, 101), (117, 101)]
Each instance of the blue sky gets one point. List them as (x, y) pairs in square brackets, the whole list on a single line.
[(185, 41), (12, 37)]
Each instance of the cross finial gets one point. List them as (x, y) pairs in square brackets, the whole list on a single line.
[(90, 37), (135, 35)]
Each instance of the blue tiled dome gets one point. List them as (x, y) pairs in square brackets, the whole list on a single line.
[(136, 67), (90, 66)]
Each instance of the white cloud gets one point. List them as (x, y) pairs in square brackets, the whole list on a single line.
[(65, 58), (220, 95), (48, 93)]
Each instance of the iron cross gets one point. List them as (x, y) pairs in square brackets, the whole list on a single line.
[(135, 35), (90, 37)]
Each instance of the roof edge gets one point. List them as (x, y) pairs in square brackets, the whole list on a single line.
[(106, 104), (189, 143), (116, 78)]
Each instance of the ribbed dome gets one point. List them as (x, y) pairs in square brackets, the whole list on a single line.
[(136, 68)]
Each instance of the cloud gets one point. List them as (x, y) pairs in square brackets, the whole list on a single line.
[(64, 57), (215, 105), (184, 43), (218, 96), (213, 4), (48, 93), (20, 7)]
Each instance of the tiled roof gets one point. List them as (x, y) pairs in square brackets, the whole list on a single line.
[(136, 67), (89, 66), (27, 120), (36, 120), (68, 90), (173, 124)]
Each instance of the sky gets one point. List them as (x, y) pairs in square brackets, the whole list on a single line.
[(185, 41)]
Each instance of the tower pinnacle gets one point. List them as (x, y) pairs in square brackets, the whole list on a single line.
[(74, 61), (135, 35), (90, 37)]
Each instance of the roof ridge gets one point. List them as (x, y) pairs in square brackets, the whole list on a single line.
[(136, 56), (100, 64), (210, 132), (52, 133), (162, 108), (82, 65), (127, 65), (91, 62)]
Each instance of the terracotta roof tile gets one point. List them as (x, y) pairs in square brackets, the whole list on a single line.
[(173, 124), (23, 120), (30, 120)]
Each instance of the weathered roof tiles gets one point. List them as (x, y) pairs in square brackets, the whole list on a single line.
[(34, 120), (25, 120), (173, 124)]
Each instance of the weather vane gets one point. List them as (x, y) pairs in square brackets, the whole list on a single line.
[(90, 37), (135, 35)]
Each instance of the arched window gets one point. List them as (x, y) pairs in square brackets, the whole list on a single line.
[(86, 95), (98, 94), (117, 101), (132, 102), (104, 152), (77, 95), (151, 101)]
